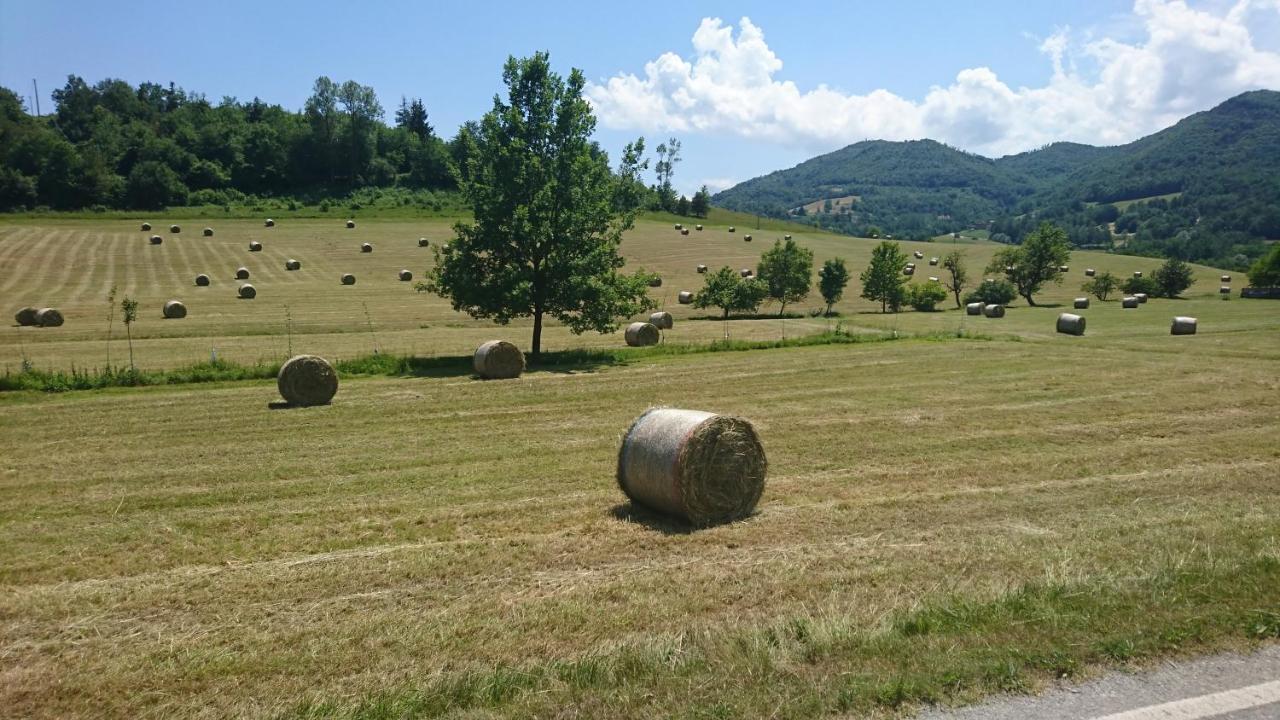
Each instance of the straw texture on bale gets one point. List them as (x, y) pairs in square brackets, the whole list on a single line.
[(1071, 324), (1090, 272), (1225, 290), (366, 247), (292, 264), (662, 320), (156, 239), (1183, 325), (655, 281), (974, 308), (498, 360), (1226, 278), (247, 292), (202, 280), (993, 311), (1081, 303), (208, 232), (351, 224), (1142, 297), (405, 276), (269, 223), (307, 380), (685, 297), (699, 467), (702, 269), (242, 273), (174, 310), (1129, 302), (639, 334), (348, 279), (48, 317), (175, 229), (25, 316), (423, 242), (146, 227), (255, 246)]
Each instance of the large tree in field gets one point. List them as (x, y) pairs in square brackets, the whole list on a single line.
[(787, 270), (546, 229), (882, 280), (832, 278), (1035, 262), (728, 291), (957, 275)]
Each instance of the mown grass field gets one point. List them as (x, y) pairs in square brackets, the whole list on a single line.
[(943, 519)]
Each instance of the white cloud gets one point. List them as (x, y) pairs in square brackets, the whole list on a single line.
[(1189, 60), (715, 185)]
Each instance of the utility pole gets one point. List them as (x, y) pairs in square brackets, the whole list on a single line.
[(35, 90)]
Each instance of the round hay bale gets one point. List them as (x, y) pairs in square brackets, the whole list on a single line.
[(974, 308), (175, 229), (679, 226), (348, 279), (697, 466), (1064, 268), (1224, 290), (699, 227), (405, 276), (1226, 278), (933, 261), (26, 316), (786, 237), (731, 228), (292, 264), (1183, 325), (423, 242), (919, 255), (156, 239), (202, 280), (933, 278), (746, 238), (685, 297), (993, 311), (1137, 273), (702, 269), (1071, 324), (307, 380), (1090, 272), (498, 360), (48, 317), (1142, 297), (1081, 303), (247, 292), (351, 224), (746, 272), (242, 273), (269, 223), (1010, 268), (208, 232), (146, 227), (639, 334), (909, 270), (684, 231), (1129, 302), (174, 310), (662, 320), (655, 281), (366, 248), (255, 246)]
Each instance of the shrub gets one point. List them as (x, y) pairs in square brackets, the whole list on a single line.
[(996, 292), (1266, 271), (1172, 278), (926, 296), (1144, 284)]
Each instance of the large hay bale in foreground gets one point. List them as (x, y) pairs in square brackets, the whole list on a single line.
[(48, 317), (685, 297), (348, 279), (156, 239), (640, 334), (702, 269), (255, 246), (1183, 325), (405, 276), (1071, 324), (974, 308), (174, 310), (292, 264), (208, 232), (498, 360), (269, 223), (993, 311), (366, 248), (146, 227), (662, 320), (423, 242), (175, 229), (351, 224), (1081, 303), (26, 316), (1129, 302), (307, 380), (202, 280), (242, 273), (697, 466), (247, 292)]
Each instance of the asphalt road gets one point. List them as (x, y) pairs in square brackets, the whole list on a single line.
[(1223, 687)]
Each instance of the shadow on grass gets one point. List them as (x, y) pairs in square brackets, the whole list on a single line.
[(640, 515), (756, 316), (460, 366)]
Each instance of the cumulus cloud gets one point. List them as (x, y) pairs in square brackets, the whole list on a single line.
[(1188, 60)]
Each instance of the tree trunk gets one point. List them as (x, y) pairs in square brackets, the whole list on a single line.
[(1030, 302), (537, 333), (782, 309)]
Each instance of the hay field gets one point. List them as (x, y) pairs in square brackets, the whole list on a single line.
[(71, 264)]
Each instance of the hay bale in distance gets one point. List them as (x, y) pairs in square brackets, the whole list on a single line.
[(662, 320), (247, 292), (655, 281), (1129, 302), (1142, 297), (351, 224), (918, 255), (933, 261), (1071, 324), (269, 223), (1090, 272), (366, 248), (699, 228), (697, 466), (48, 317), (146, 227), (348, 279), (1137, 273), (242, 273), (679, 226), (909, 270), (1081, 303), (156, 239), (746, 272), (202, 280), (423, 242), (175, 229), (1064, 268), (292, 264), (731, 228), (405, 276), (1224, 290), (174, 310), (208, 232), (993, 311), (639, 334), (685, 297), (685, 231), (974, 308), (26, 316), (498, 360), (702, 269), (1183, 325), (933, 278), (786, 237), (746, 238), (255, 246), (307, 380), (1226, 278)]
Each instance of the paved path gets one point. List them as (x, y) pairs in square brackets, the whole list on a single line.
[(1224, 687)]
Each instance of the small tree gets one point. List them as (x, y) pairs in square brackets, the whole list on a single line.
[(1144, 285), (111, 318), (882, 280), (1266, 271), (701, 202), (729, 292), (996, 292), (1030, 265), (832, 279), (787, 270), (957, 274), (129, 313), (682, 206), (1101, 286), (926, 296), (1173, 278)]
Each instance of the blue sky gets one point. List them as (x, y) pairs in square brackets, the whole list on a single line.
[(745, 96)]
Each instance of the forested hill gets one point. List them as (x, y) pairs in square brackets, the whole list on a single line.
[(1209, 188)]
